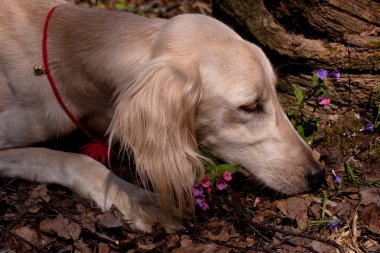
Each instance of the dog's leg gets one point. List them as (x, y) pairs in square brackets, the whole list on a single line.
[(88, 178)]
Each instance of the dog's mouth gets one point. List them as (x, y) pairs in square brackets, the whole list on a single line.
[(246, 182), (257, 185)]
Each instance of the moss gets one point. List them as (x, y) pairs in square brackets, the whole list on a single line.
[(344, 134)]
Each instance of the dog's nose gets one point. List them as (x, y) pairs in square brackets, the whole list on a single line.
[(315, 180)]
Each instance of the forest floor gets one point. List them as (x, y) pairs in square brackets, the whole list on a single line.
[(341, 217)]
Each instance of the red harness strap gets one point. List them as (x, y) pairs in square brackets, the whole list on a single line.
[(97, 149)]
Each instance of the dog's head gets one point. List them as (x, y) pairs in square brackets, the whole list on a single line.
[(205, 85), (240, 120)]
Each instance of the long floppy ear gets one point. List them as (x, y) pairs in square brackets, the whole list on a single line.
[(155, 119)]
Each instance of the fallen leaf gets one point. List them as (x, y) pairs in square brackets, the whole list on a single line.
[(322, 247), (226, 232), (74, 230), (370, 196), (146, 246), (173, 240), (62, 226), (370, 218), (103, 248), (81, 247), (295, 208), (40, 192), (343, 209), (28, 234), (109, 220), (87, 221), (187, 246)]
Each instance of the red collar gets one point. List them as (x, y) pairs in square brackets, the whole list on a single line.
[(97, 149)]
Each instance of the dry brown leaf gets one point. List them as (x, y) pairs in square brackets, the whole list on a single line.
[(40, 192), (370, 218), (295, 208), (88, 221), (74, 230), (370, 196), (226, 232), (28, 234), (146, 246), (187, 246), (81, 247), (172, 240), (62, 226), (34, 209), (103, 248), (109, 220)]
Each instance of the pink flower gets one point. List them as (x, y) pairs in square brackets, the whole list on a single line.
[(323, 100), (227, 176), (221, 184), (209, 190), (335, 74), (197, 190), (200, 201), (205, 182)]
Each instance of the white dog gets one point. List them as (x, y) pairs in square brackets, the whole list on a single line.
[(161, 88)]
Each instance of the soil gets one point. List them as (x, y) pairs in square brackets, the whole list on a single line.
[(50, 218)]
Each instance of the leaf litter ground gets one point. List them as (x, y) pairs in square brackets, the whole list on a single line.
[(49, 218)]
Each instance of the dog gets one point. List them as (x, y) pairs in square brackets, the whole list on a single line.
[(163, 89)]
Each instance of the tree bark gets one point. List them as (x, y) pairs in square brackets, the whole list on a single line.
[(301, 36)]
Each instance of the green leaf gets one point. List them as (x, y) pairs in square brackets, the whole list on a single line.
[(120, 6), (221, 168), (301, 131), (299, 94), (130, 7), (315, 79), (350, 172), (324, 204)]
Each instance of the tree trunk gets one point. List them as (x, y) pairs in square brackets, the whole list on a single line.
[(301, 36)]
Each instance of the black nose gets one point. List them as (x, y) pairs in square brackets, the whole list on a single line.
[(316, 179)]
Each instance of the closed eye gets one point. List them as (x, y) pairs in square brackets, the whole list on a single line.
[(255, 107)]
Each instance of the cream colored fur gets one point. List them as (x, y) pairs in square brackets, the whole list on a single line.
[(161, 88)]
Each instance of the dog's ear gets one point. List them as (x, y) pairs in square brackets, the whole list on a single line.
[(155, 120)]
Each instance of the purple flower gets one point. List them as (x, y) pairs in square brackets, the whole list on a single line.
[(197, 190), (205, 182), (368, 128), (323, 100), (336, 177), (221, 184), (227, 176), (200, 201), (335, 74), (334, 224), (321, 74)]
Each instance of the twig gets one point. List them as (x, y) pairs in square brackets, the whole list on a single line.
[(20, 238), (259, 233), (9, 183), (300, 234), (287, 241), (222, 243), (13, 223), (107, 238)]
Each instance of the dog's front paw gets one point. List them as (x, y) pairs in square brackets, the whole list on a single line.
[(143, 212)]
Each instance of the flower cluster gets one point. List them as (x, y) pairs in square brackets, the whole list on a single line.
[(322, 75), (306, 124), (205, 185)]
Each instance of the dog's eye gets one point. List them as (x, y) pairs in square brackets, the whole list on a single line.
[(252, 108)]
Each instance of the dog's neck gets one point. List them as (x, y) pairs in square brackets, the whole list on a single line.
[(90, 54)]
